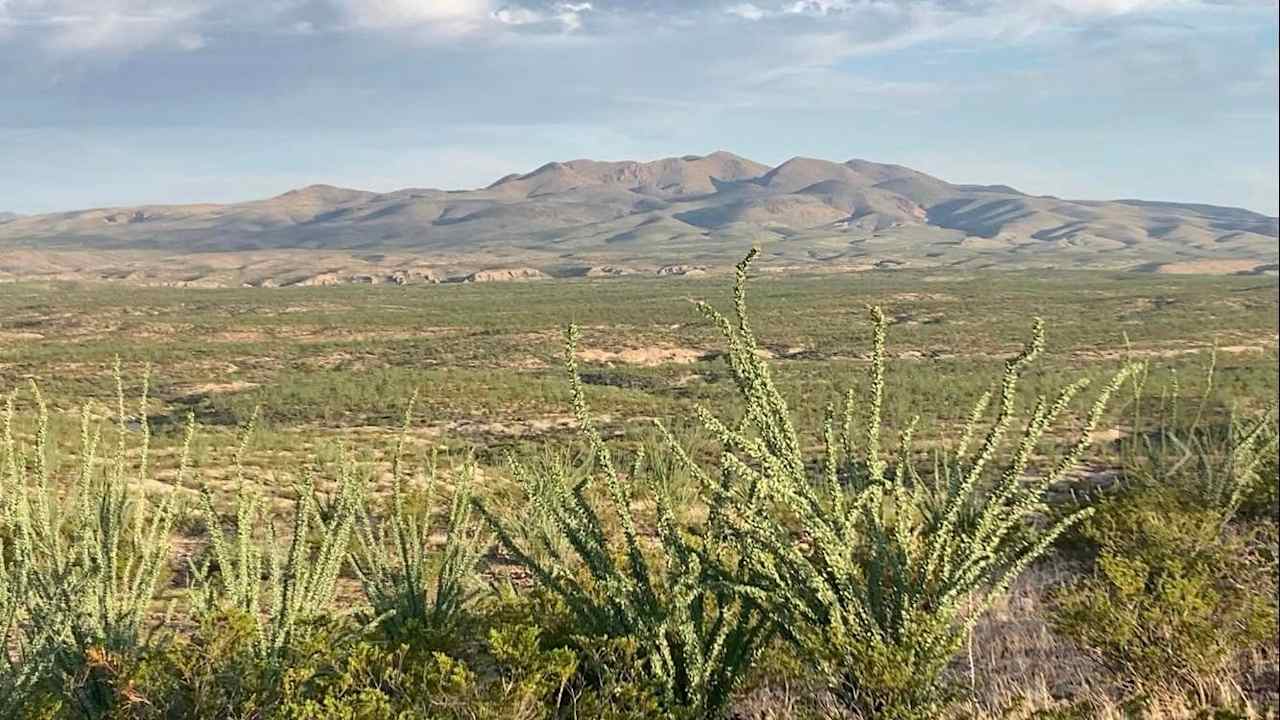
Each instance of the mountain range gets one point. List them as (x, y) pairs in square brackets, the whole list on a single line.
[(672, 216)]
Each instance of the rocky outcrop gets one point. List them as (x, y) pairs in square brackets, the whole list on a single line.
[(681, 270), (603, 271), (320, 280), (414, 276), (521, 274)]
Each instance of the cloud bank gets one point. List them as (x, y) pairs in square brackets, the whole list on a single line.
[(1105, 95)]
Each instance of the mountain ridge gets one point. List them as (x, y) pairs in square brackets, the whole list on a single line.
[(580, 216)]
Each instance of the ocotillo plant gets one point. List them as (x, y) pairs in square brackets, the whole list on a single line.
[(875, 572), (79, 584), (696, 635), (300, 579), (411, 588)]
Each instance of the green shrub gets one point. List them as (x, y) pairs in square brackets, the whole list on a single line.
[(1172, 599), (1262, 501), (332, 669), (1181, 560), (879, 574)]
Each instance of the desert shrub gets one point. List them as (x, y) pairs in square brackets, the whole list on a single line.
[(693, 632), (1262, 501), (1180, 557), (876, 573), (513, 678), (1174, 597), (80, 570), (333, 669), (211, 671), (217, 671), (413, 590)]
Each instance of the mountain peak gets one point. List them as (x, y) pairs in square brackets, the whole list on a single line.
[(671, 176), (321, 190), (801, 172)]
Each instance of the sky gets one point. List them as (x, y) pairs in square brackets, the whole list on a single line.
[(125, 102)]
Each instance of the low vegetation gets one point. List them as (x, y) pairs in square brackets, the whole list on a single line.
[(761, 561), (1179, 598)]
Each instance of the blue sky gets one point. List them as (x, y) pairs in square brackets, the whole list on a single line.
[(117, 102)]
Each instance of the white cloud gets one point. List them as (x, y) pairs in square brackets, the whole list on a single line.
[(861, 25), (77, 25), (567, 14), (517, 16), (570, 14), (751, 11), (455, 14), (816, 7), (1023, 13), (190, 41), (1091, 7), (747, 11)]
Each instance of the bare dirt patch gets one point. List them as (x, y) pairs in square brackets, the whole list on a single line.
[(18, 336), (1134, 353), (921, 297), (649, 357), (215, 388), (1209, 267), (478, 427), (515, 428)]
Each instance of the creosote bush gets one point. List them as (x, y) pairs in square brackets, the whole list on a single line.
[(1182, 575), (1172, 600)]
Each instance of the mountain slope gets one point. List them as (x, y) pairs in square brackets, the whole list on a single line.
[(565, 218)]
